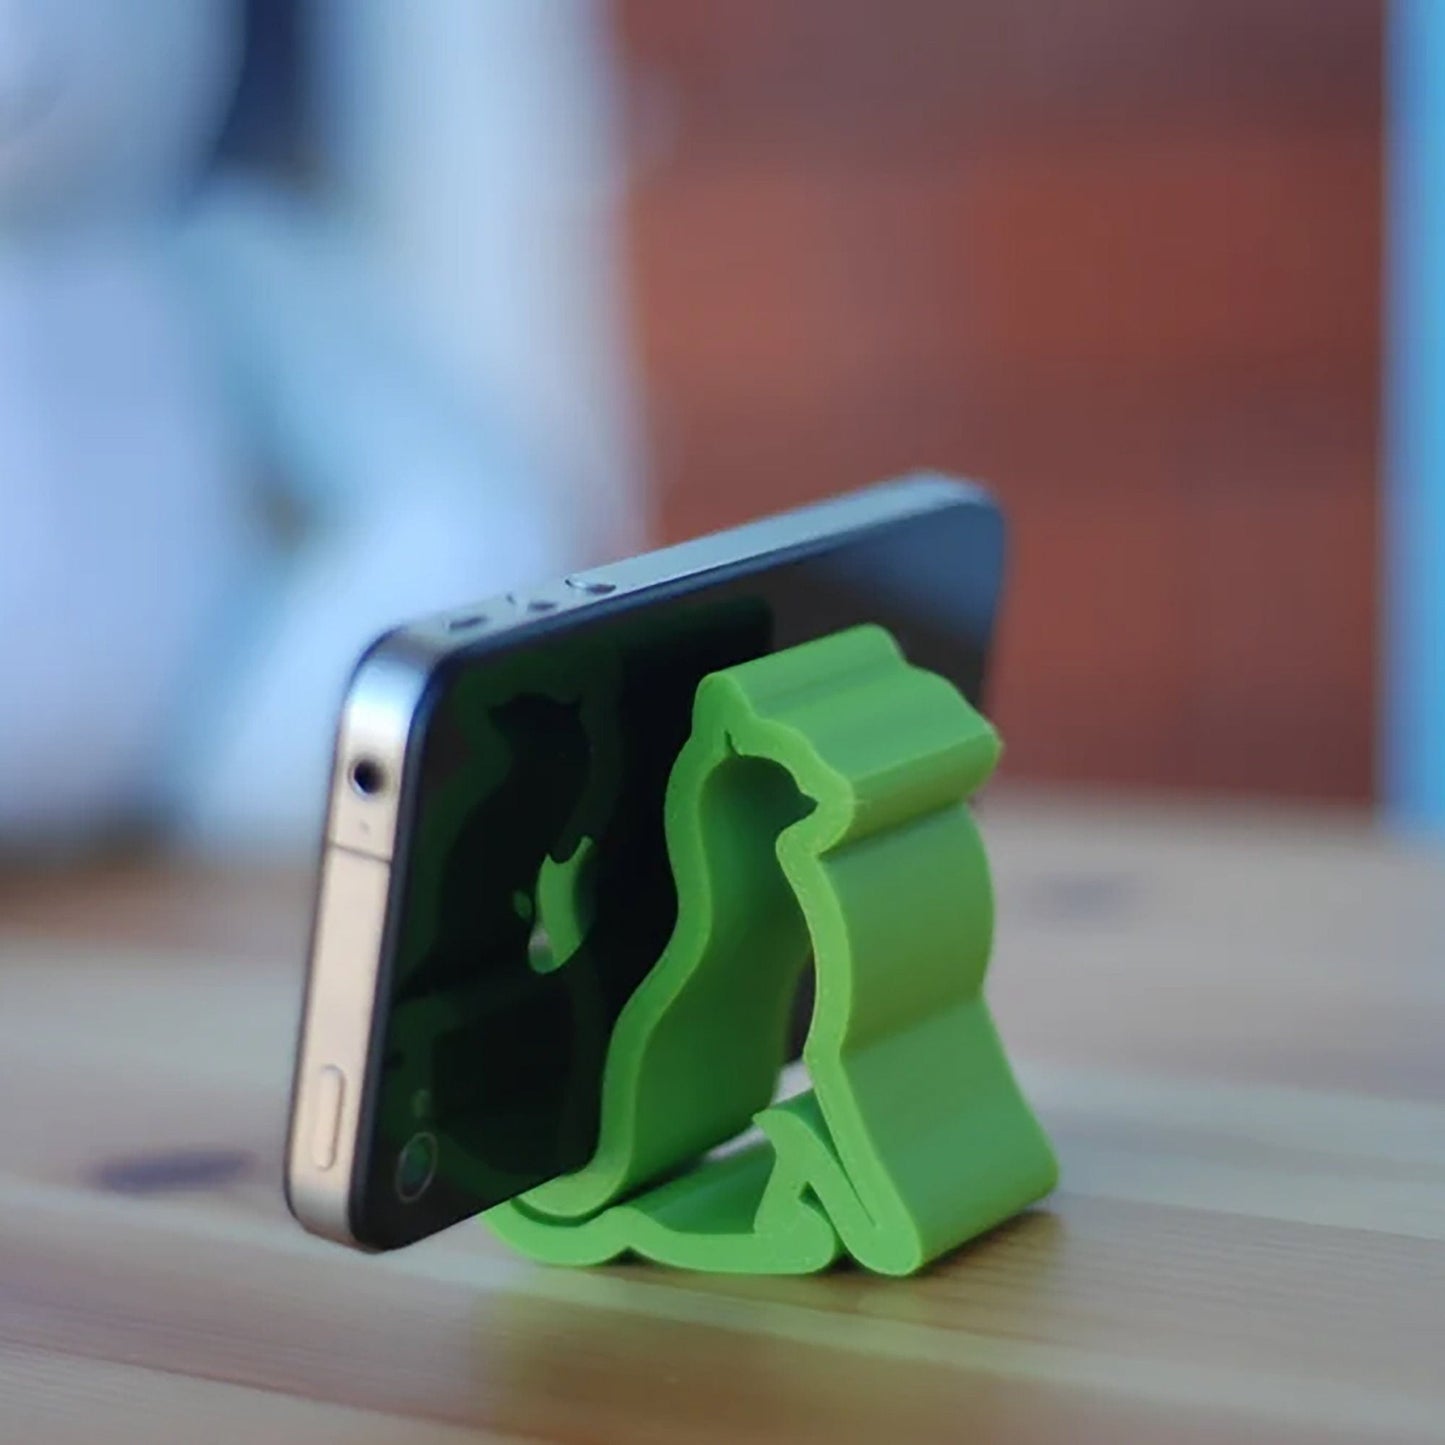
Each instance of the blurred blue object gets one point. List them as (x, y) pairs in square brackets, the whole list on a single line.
[(1413, 764), (226, 461)]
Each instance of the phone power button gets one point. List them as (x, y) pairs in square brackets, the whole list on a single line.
[(326, 1121)]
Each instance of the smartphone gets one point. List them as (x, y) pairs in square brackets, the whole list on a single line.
[(494, 880)]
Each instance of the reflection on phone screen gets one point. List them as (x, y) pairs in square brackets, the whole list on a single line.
[(537, 895)]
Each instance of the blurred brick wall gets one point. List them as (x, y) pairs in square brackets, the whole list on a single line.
[(1117, 257)]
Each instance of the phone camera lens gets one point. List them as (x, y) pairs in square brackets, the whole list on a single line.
[(368, 777), (416, 1166)]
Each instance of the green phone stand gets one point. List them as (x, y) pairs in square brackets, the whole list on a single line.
[(819, 808)]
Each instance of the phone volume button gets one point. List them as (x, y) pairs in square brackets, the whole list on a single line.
[(591, 586), (326, 1121), (532, 606)]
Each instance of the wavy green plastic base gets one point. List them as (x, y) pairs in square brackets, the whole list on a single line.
[(819, 808)]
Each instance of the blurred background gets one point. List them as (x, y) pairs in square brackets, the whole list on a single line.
[(316, 315), (562, 280)]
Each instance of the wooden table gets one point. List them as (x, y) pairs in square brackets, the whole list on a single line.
[(1234, 1026)]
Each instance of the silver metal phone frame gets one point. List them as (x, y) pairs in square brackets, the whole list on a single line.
[(377, 717)]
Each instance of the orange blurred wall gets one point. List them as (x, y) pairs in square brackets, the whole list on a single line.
[(1118, 258)]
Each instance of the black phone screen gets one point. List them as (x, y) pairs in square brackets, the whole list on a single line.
[(533, 891)]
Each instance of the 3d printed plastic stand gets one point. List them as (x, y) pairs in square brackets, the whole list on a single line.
[(820, 805)]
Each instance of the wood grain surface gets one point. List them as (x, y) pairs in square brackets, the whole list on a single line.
[(1231, 1023)]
